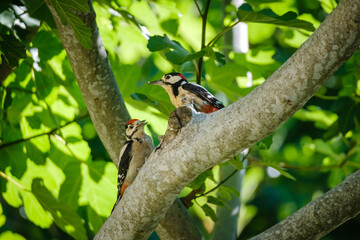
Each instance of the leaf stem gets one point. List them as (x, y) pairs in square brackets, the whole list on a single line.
[(43, 134), (198, 8), (6, 177), (211, 43), (221, 183)]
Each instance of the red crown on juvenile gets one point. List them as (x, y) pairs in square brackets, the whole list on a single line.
[(131, 121), (182, 76)]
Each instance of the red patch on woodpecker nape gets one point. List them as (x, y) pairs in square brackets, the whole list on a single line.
[(123, 188), (131, 121), (206, 108), (182, 76)]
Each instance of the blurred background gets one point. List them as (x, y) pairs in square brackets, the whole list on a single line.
[(58, 182)]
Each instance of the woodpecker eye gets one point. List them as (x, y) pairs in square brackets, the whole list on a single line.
[(167, 77), (131, 127)]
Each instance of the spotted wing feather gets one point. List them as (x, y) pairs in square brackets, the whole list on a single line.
[(203, 94), (125, 158)]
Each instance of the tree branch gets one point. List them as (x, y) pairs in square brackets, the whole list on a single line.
[(209, 139), (322, 215)]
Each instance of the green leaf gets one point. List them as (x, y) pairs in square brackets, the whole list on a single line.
[(39, 10), (35, 211), (215, 201), (95, 220), (170, 25), (265, 143), (65, 10), (70, 189), (348, 110), (175, 53), (48, 45), (12, 194), (7, 235), (328, 5), (231, 190), (196, 184), (37, 149), (209, 212), (281, 170), (66, 218), (224, 194), (245, 13), (128, 17), (236, 162), (99, 179), (2, 217), (12, 49)]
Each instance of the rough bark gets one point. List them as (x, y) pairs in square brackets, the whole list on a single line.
[(176, 225), (320, 216), (209, 139), (108, 112)]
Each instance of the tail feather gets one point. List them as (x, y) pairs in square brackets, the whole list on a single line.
[(119, 195), (207, 108)]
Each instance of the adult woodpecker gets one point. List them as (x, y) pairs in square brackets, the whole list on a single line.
[(135, 151), (179, 90)]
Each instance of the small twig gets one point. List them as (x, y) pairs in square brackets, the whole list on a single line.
[(326, 97), (8, 144), (221, 183), (211, 43), (203, 34)]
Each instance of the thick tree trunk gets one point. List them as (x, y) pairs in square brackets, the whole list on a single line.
[(209, 139)]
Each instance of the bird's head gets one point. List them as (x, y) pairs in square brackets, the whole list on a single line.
[(134, 127), (170, 79)]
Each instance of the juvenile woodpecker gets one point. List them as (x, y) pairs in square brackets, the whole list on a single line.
[(179, 90), (135, 151)]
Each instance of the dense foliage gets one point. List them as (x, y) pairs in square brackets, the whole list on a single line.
[(57, 176)]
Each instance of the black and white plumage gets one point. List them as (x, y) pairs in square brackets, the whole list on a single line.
[(180, 90), (135, 151)]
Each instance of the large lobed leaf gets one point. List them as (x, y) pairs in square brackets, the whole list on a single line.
[(245, 13), (177, 54), (66, 218)]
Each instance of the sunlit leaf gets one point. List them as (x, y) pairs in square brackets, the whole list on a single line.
[(39, 10), (236, 162), (99, 178), (281, 170), (215, 201), (231, 190), (209, 212), (246, 14), (174, 52), (265, 143), (196, 184), (7, 235), (66, 218)]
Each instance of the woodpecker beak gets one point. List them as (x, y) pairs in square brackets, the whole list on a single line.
[(143, 123), (158, 82)]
